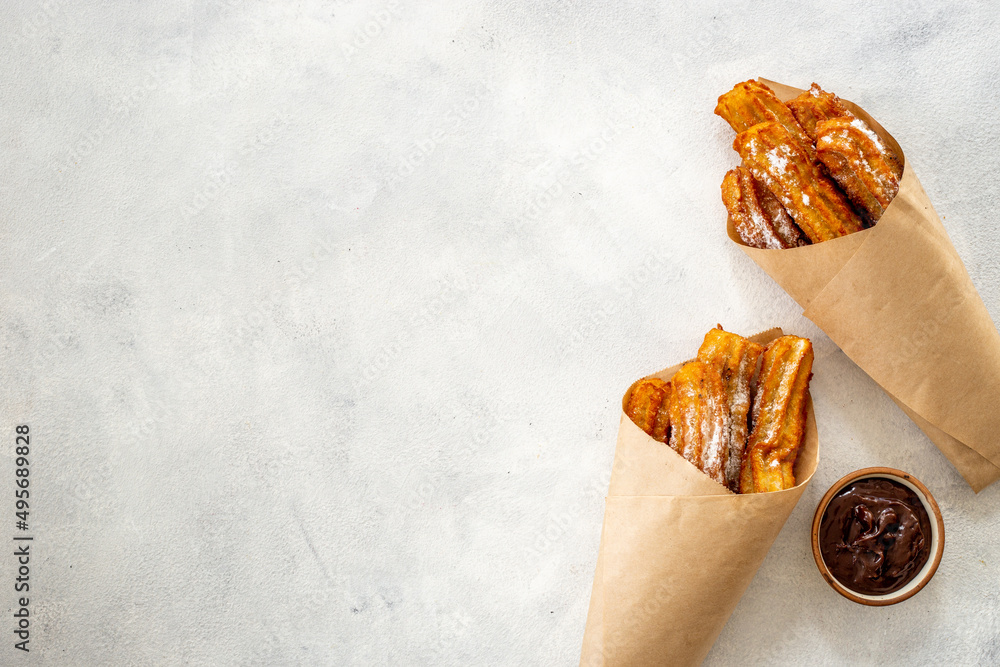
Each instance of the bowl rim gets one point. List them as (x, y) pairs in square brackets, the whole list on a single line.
[(933, 511)]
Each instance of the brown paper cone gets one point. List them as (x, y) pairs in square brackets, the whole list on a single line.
[(898, 301), (677, 550)]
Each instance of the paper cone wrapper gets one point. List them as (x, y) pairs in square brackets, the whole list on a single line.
[(898, 301), (677, 550)]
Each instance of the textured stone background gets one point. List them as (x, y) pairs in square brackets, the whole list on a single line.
[(321, 334)]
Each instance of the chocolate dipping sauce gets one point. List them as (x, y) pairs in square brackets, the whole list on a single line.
[(875, 536)]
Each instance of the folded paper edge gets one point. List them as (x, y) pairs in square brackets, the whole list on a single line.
[(977, 470), (844, 246), (977, 475), (594, 626), (811, 428)]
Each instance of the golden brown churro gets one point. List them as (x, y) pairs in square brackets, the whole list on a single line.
[(829, 173), (699, 418), (816, 105), (751, 102), (777, 160), (741, 428), (649, 407), (759, 218), (779, 416), (736, 358), (860, 162)]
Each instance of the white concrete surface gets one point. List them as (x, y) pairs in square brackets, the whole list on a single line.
[(320, 313)]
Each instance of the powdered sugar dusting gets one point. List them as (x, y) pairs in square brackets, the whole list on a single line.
[(759, 228), (701, 430), (767, 427), (714, 433), (861, 125), (786, 228), (762, 228), (738, 388), (778, 161)]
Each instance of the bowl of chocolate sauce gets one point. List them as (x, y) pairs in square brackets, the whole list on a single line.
[(878, 536)]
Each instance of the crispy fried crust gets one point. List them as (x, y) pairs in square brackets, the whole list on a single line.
[(779, 416), (751, 102), (777, 160), (736, 359), (816, 105), (860, 162), (759, 218), (649, 407), (699, 416)]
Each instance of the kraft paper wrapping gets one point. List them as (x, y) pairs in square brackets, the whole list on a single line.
[(899, 302), (677, 549)]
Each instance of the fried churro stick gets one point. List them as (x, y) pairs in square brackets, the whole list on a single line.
[(860, 162), (777, 160), (736, 358), (751, 102), (699, 418), (759, 218), (779, 416), (649, 407), (816, 105)]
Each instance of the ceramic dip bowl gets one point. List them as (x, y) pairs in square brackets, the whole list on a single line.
[(869, 517)]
